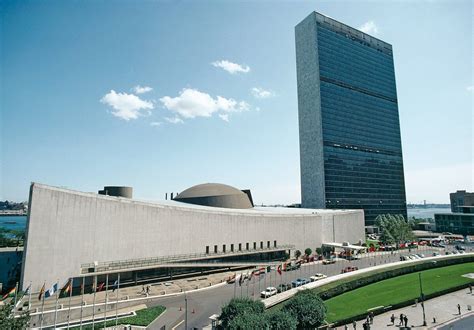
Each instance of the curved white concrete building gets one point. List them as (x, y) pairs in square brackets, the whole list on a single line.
[(72, 234)]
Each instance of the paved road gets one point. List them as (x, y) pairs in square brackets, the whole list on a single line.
[(203, 304)]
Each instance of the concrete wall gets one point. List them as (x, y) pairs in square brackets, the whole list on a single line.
[(68, 228)]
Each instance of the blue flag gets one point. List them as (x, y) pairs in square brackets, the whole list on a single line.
[(51, 291)]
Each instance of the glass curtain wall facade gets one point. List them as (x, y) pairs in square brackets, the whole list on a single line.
[(350, 144)]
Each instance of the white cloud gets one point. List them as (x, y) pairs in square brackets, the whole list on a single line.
[(141, 89), (231, 67), (192, 103), (155, 123), (261, 93), (224, 116), (369, 27), (126, 106), (174, 120), (470, 88)]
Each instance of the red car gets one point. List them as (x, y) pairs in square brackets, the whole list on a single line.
[(349, 269)]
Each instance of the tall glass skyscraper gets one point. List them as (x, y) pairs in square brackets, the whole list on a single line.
[(350, 145)]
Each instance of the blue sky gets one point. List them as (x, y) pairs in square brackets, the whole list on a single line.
[(222, 105)]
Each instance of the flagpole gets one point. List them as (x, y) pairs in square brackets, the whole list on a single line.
[(235, 284), (14, 303), (56, 307), (42, 307), (116, 304), (69, 307), (106, 298), (94, 287), (82, 301), (29, 297)]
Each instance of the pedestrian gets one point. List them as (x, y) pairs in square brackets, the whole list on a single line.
[(459, 309), (345, 327), (143, 288), (371, 317), (392, 319), (354, 324), (401, 319), (147, 289), (470, 288), (405, 319)]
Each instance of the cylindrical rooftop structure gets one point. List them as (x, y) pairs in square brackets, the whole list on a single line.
[(117, 191)]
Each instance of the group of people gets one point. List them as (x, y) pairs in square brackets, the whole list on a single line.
[(403, 320), (146, 289)]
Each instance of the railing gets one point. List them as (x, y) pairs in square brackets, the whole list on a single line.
[(144, 262)]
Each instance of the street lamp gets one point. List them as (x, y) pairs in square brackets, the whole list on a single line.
[(185, 311), (422, 300)]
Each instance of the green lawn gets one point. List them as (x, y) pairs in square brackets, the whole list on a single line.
[(143, 318), (396, 290)]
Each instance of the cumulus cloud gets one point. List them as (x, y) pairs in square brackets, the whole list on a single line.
[(231, 67), (126, 106), (369, 27), (192, 103), (155, 123), (141, 89), (261, 93), (174, 120), (470, 88)]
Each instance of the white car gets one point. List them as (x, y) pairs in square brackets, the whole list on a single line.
[(317, 277), (270, 291)]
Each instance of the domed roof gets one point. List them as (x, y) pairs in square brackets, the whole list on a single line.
[(216, 195)]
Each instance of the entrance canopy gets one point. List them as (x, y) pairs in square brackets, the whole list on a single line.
[(345, 246)]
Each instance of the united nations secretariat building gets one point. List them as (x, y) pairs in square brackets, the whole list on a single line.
[(208, 227)]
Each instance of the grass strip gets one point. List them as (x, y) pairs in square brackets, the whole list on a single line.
[(396, 290), (143, 318)]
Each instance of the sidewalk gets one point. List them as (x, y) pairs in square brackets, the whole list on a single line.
[(443, 308), (133, 292)]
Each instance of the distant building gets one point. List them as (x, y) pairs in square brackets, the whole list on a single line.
[(459, 199), (456, 223), (461, 221), (350, 144)]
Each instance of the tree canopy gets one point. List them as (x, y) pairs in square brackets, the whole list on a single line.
[(238, 307), (308, 309), (394, 229), (7, 321)]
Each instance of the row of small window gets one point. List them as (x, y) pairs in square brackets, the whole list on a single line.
[(239, 246), (349, 155), (327, 33)]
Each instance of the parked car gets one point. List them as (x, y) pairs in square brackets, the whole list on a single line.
[(421, 255), (349, 269), (270, 291), (283, 287), (435, 254), (317, 277), (299, 282), (292, 267), (460, 248), (329, 261)]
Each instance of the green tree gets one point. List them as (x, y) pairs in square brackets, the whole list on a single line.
[(281, 320), (248, 321), (394, 229), (308, 309), (297, 254), (237, 307), (7, 321), (308, 251)]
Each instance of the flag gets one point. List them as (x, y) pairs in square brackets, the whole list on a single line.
[(279, 269), (100, 287), (41, 291), (52, 290), (9, 293), (67, 288), (115, 285)]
